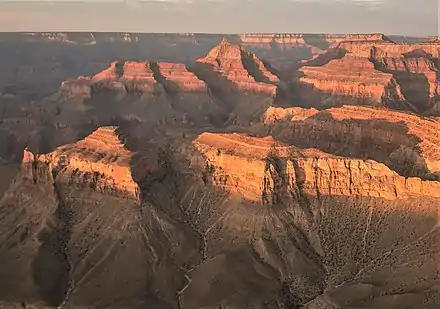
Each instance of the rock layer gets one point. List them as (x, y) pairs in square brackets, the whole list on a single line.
[(350, 80), (100, 161), (231, 67), (407, 143), (260, 168), (341, 72)]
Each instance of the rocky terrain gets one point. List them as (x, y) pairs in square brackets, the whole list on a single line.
[(223, 181), (400, 76)]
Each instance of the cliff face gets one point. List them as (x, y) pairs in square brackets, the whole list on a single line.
[(59, 56), (350, 80), (152, 200), (417, 77), (389, 49), (228, 63), (262, 170), (403, 141), (100, 161), (374, 72)]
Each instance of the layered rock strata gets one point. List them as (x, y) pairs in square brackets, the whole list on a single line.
[(417, 76), (413, 68), (349, 80), (231, 67), (406, 142), (389, 49), (260, 168), (129, 76), (178, 78), (100, 161)]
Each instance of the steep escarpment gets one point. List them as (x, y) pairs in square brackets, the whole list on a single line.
[(99, 161), (389, 49), (240, 79), (175, 95), (260, 168), (373, 72), (268, 212), (228, 63), (79, 220), (417, 76), (349, 80), (137, 191), (405, 142), (303, 197)]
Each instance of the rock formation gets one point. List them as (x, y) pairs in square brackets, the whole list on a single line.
[(100, 161), (178, 78), (234, 68), (159, 184), (260, 168), (401, 76), (349, 80), (416, 75), (405, 142)]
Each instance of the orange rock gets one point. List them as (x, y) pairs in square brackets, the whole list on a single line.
[(365, 49), (180, 79), (348, 80), (417, 77), (238, 67), (403, 138), (100, 161), (246, 165)]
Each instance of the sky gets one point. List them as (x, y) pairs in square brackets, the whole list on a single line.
[(403, 17)]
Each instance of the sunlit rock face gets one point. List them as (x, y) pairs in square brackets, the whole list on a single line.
[(221, 183), (99, 161), (349, 80), (239, 68)]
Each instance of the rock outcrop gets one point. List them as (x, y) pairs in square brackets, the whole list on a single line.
[(413, 68), (178, 78), (416, 75), (129, 76), (260, 168), (231, 67), (389, 49), (303, 208), (100, 161), (349, 80), (405, 142)]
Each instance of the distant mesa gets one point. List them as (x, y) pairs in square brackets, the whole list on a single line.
[(243, 70)]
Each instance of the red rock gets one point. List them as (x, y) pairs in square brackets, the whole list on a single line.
[(229, 61), (100, 161), (242, 166), (405, 141), (180, 79), (349, 80)]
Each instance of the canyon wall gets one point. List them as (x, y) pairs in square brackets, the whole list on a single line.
[(261, 168), (341, 76), (405, 142), (350, 80), (100, 161)]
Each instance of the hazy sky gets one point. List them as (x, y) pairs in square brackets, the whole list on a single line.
[(408, 17)]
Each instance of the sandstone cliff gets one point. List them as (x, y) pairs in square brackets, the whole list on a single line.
[(230, 66), (417, 76), (349, 80), (405, 142), (100, 161), (389, 49), (414, 82), (261, 168)]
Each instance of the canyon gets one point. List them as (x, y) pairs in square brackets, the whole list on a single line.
[(183, 171)]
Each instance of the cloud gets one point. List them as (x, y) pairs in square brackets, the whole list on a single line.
[(239, 16)]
